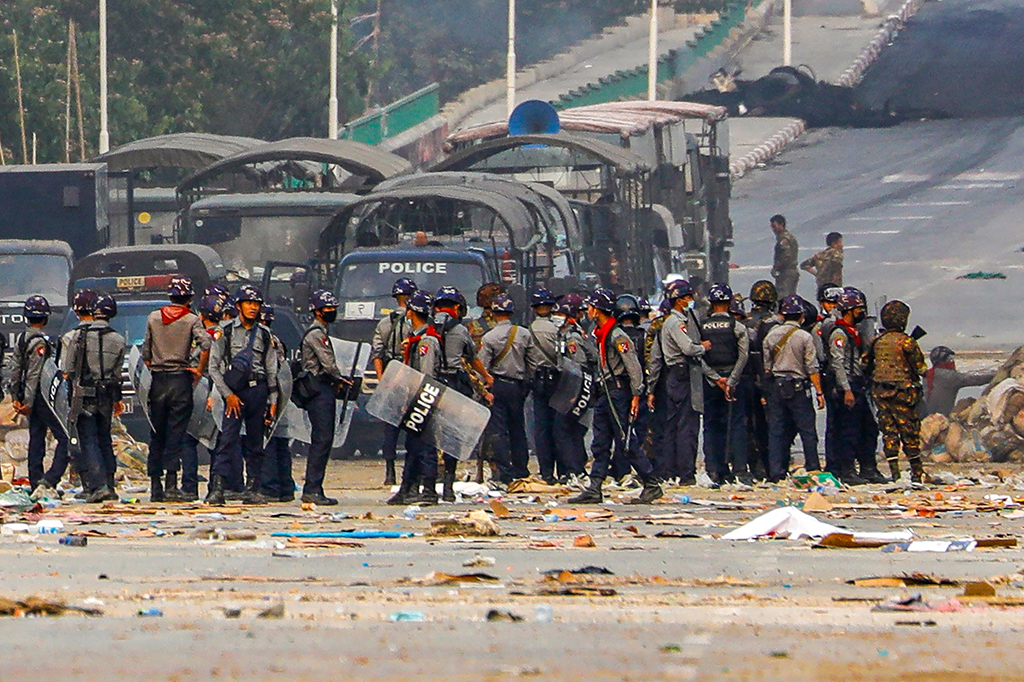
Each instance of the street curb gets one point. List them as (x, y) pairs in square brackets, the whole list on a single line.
[(768, 149), (853, 75)]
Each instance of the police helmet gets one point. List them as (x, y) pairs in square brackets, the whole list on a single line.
[(736, 308), (810, 314), (603, 300), (37, 306), (180, 287), (894, 315), (248, 292), (941, 354), (645, 305), (451, 294), (571, 304), (792, 305), (764, 292), (85, 301), (541, 297), (267, 315), (829, 293), (852, 299), (626, 306), (420, 302), (719, 293), (403, 287), (503, 303), (670, 278), (218, 290), (321, 298), (106, 307), (211, 307), (678, 289)]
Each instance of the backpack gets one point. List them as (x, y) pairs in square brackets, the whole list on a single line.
[(240, 367)]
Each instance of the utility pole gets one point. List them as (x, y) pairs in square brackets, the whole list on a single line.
[(104, 131), (67, 103), (510, 66), (21, 102), (652, 55), (787, 33), (332, 105)]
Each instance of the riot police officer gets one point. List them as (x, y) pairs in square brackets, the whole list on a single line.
[(503, 353), (725, 419), (570, 449), (458, 359), (318, 360), (857, 437), (244, 367), (543, 371), (172, 334), (677, 356), (792, 363), (618, 402), (422, 352), (276, 483), (210, 309), (628, 315), (763, 299), (32, 349), (828, 300), (92, 357), (391, 332)]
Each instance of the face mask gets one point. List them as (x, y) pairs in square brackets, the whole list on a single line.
[(329, 316), (559, 320), (859, 316)]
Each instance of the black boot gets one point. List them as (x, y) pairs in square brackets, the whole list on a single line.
[(171, 491), (591, 495), (252, 492), (156, 490), (917, 469), (389, 472), (404, 495), (103, 494), (448, 492), (850, 477), (651, 492), (871, 474), (429, 495), (894, 468), (215, 493)]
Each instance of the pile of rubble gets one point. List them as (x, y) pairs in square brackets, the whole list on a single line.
[(989, 428)]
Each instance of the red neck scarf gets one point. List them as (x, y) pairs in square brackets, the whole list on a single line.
[(929, 376), (851, 330), (601, 334), (172, 313), (414, 340), (453, 311)]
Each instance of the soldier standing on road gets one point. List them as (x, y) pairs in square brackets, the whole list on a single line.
[(388, 337), (543, 372), (422, 352), (620, 385), (458, 356), (243, 366), (786, 256), (677, 356), (857, 434), (792, 363), (318, 359), (827, 265), (32, 349), (172, 335), (503, 353), (725, 417), (277, 483), (943, 381), (92, 357), (895, 364), (487, 321)]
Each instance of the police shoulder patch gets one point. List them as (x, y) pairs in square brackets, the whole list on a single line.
[(572, 347), (41, 350), (682, 327), (622, 345), (839, 342), (424, 349)]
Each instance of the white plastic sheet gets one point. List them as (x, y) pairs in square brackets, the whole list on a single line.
[(791, 523)]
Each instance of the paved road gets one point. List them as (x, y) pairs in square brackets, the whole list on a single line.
[(922, 203)]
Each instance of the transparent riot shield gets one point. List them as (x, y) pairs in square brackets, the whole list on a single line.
[(202, 426), (142, 380), (575, 390), (284, 398), (443, 417), (55, 393)]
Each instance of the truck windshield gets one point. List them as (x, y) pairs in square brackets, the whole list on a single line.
[(374, 279), (30, 274)]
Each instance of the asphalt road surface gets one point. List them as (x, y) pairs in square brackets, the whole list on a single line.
[(923, 203)]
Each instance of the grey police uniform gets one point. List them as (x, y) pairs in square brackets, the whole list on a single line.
[(424, 355), (258, 392), (389, 334), (276, 481), (458, 350), (31, 351), (317, 357), (790, 409), (542, 368), (507, 424), (855, 431), (725, 421)]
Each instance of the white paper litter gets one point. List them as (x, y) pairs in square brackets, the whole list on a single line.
[(791, 523)]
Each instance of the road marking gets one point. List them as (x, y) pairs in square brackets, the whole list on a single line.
[(846, 232), (893, 217), (973, 176), (750, 267)]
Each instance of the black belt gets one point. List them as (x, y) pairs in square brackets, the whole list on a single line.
[(510, 380)]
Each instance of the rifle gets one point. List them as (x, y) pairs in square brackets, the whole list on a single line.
[(354, 384), (77, 391)]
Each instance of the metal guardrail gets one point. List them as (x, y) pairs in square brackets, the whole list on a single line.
[(395, 118)]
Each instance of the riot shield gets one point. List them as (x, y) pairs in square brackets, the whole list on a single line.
[(423, 406), (575, 390), (202, 426), (55, 393), (142, 380), (284, 399)]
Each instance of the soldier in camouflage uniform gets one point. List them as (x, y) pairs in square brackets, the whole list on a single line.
[(486, 322), (895, 364), (827, 265), (784, 265)]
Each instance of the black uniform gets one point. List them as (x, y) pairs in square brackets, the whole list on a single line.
[(725, 421)]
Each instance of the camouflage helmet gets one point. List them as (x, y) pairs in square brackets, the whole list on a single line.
[(719, 293), (764, 292), (248, 293), (895, 315), (267, 315), (106, 307), (403, 286), (85, 301), (212, 307), (180, 287), (851, 299), (678, 289), (420, 302), (486, 293), (603, 300), (571, 304), (36, 307), (503, 304), (450, 294), (792, 305), (322, 298), (737, 309), (541, 297)]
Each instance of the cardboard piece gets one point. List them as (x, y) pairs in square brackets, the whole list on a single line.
[(816, 502)]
